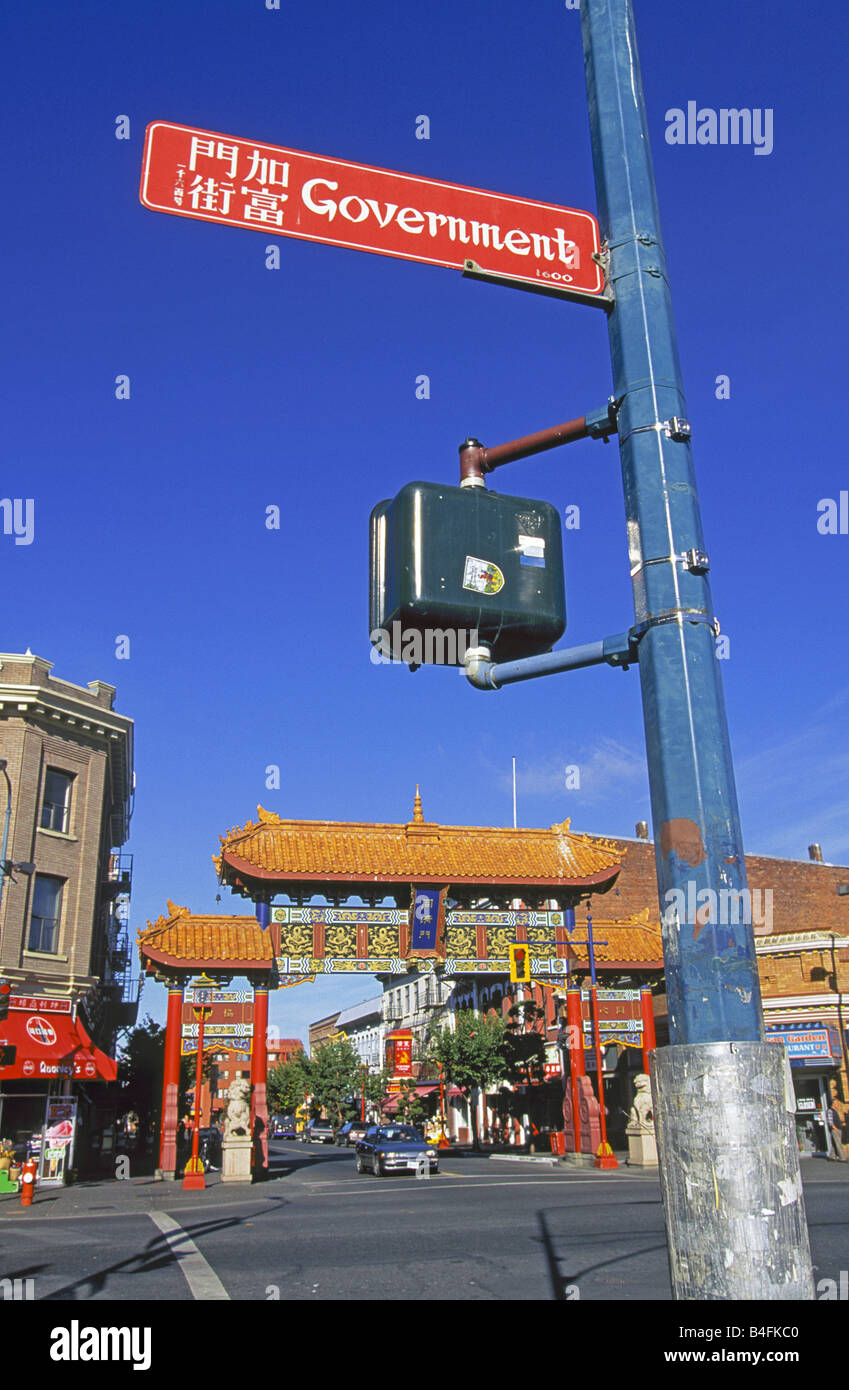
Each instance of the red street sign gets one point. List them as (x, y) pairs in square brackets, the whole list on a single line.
[(243, 183)]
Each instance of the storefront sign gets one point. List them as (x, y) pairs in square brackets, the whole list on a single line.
[(808, 1045), (58, 1147), (38, 1004), (399, 1053)]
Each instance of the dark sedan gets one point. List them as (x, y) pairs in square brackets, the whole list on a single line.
[(319, 1130), (395, 1149), (351, 1133)]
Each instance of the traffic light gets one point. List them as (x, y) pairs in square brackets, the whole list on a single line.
[(520, 965), (5, 996)]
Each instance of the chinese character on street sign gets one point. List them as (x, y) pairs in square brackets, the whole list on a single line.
[(244, 183)]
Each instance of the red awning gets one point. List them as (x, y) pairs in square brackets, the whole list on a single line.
[(50, 1046)]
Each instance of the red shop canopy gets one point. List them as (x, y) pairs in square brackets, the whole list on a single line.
[(50, 1046)]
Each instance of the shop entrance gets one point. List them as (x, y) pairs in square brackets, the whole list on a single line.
[(812, 1101)]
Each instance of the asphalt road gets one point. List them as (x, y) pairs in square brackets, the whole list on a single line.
[(481, 1230)]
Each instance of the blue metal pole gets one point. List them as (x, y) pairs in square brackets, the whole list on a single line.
[(712, 977), (729, 1162)]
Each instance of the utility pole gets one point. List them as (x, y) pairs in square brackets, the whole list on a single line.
[(729, 1162)]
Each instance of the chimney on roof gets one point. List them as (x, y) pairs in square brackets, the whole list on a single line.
[(642, 830), (815, 853)]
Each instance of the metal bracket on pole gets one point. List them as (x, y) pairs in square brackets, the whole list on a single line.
[(476, 459), (472, 271), (620, 650), (675, 429)]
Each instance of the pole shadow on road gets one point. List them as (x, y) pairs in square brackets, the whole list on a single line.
[(567, 1287), (157, 1255)]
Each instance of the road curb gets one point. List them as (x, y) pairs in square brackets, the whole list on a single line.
[(524, 1158)]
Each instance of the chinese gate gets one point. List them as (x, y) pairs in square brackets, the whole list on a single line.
[(420, 887)]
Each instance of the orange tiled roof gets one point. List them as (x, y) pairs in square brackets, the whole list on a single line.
[(186, 938), (632, 941), (271, 848)]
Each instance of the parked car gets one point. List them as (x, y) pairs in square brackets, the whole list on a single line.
[(319, 1130), (395, 1149), (351, 1133)]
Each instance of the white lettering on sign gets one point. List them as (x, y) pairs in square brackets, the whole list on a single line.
[(196, 173)]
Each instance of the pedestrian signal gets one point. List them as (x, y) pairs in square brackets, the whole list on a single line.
[(520, 965)]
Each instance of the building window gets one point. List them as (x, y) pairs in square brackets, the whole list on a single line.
[(46, 912), (56, 806)]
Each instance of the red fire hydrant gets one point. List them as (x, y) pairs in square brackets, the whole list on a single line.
[(28, 1173)]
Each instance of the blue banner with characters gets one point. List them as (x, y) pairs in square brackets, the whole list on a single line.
[(425, 918)]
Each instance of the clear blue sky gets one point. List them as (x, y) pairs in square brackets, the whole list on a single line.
[(296, 387)]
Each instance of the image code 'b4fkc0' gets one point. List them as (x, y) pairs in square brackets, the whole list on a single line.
[(454, 567)]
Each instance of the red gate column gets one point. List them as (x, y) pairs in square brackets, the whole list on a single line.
[(171, 1083), (649, 1038), (577, 1066), (259, 1074)]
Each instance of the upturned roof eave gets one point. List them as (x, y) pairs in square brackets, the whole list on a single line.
[(184, 962), (601, 880)]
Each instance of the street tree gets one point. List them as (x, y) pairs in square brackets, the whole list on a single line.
[(287, 1085), (141, 1063), (373, 1085), (524, 1044), (411, 1108), (472, 1056), (334, 1078)]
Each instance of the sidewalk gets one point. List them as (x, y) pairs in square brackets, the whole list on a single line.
[(136, 1197)]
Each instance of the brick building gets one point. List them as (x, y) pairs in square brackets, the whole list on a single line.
[(800, 911), (323, 1030), (63, 918)]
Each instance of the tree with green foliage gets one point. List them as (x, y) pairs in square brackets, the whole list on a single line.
[(141, 1063), (334, 1078), (411, 1108), (287, 1084), (376, 1083), (471, 1055), (524, 1044)]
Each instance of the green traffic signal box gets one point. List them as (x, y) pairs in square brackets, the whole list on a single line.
[(458, 567)]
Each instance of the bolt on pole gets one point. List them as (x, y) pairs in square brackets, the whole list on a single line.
[(729, 1161)]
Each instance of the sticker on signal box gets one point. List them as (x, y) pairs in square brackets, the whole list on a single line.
[(532, 551), (481, 576)]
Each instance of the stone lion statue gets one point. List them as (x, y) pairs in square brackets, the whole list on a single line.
[(641, 1116), (237, 1121)]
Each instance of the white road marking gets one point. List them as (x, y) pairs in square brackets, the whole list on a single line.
[(201, 1278), (460, 1181)]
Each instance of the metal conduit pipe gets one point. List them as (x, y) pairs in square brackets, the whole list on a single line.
[(485, 674)]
